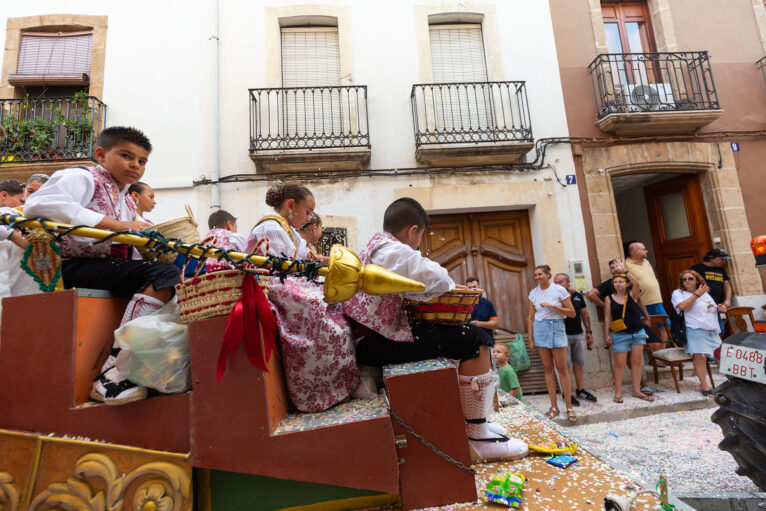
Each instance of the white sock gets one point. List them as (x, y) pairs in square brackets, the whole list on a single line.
[(476, 398)]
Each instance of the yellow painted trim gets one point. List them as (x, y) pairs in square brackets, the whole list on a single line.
[(29, 487), (72, 441), (352, 503)]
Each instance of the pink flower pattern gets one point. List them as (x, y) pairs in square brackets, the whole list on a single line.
[(382, 314), (105, 200), (220, 238), (317, 349)]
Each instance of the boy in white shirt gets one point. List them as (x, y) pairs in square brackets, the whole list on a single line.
[(97, 196), (222, 234), (385, 336)]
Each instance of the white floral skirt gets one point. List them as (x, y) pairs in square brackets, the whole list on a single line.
[(317, 349)]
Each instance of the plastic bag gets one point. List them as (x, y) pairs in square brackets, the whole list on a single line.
[(155, 351), (519, 359)]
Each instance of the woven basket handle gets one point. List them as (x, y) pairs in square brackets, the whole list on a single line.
[(191, 215)]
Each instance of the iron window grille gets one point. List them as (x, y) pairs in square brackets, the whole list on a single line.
[(50, 128), (295, 118), (332, 236), (470, 112), (646, 82)]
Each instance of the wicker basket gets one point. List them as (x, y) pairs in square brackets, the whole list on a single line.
[(212, 294), (452, 308), (184, 228)]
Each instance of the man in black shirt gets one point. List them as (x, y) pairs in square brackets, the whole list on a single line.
[(711, 269), (483, 315), (577, 341)]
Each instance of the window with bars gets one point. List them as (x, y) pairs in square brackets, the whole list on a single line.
[(332, 236), (457, 56), (47, 58), (310, 71)]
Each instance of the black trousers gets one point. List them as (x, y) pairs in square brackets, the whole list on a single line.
[(432, 340), (119, 276)]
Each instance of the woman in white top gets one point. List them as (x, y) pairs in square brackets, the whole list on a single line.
[(318, 353), (143, 195), (701, 316), (293, 204), (548, 305)]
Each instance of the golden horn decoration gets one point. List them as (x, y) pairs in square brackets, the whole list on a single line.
[(345, 274)]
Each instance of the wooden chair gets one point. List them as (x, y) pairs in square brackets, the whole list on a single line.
[(673, 356), (735, 316)]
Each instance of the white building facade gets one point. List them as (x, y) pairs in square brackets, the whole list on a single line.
[(235, 95)]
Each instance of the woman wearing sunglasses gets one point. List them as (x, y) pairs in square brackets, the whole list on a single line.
[(701, 315)]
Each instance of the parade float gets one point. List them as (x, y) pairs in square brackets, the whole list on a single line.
[(234, 441)]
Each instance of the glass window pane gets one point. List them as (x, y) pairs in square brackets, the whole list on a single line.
[(674, 216), (613, 37), (634, 31)]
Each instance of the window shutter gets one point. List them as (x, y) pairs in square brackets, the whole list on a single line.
[(310, 57), (457, 56), (47, 58), (310, 60), (457, 53)]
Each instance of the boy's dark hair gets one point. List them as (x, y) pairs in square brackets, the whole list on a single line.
[(218, 219), (12, 187), (471, 279), (403, 213), (138, 187), (112, 136)]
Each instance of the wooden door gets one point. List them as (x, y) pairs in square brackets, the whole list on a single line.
[(494, 247), (628, 30), (679, 228)]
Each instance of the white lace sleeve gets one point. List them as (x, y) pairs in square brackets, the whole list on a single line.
[(401, 259), (279, 241)]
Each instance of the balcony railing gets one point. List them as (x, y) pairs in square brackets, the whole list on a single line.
[(653, 82), (50, 128), (762, 66), (473, 112), (306, 118)]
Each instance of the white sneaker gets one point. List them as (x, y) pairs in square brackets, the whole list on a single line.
[(108, 388), (496, 428), (500, 449)]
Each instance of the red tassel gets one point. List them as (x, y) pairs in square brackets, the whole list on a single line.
[(249, 312)]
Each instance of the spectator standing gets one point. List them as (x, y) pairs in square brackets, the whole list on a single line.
[(483, 315), (549, 304), (628, 337), (606, 288), (641, 269), (509, 382), (701, 316), (578, 340), (712, 270)]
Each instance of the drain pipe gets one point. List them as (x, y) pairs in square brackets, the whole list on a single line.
[(214, 146)]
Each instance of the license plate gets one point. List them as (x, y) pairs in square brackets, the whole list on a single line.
[(742, 362)]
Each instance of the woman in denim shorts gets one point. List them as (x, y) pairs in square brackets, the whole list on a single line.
[(548, 305), (628, 340), (702, 327)]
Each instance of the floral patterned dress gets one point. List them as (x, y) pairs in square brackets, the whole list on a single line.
[(317, 347)]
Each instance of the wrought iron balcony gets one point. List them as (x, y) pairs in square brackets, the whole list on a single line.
[(474, 112), (654, 83), (297, 118), (762, 66), (63, 128), (309, 127)]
